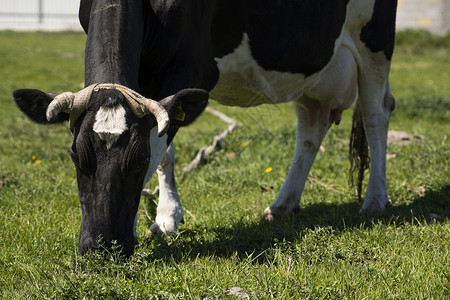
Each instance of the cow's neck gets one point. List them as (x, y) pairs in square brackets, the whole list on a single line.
[(113, 46)]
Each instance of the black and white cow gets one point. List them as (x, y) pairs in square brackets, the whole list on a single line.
[(319, 54)]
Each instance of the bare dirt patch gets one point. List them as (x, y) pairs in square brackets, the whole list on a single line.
[(403, 138)]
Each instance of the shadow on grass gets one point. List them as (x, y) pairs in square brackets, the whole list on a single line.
[(244, 237)]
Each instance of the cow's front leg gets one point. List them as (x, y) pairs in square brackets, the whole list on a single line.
[(169, 212), (307, 143)]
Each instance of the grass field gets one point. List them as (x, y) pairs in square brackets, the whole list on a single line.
[(325, 251)]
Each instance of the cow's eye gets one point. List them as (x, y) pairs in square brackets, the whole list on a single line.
[(82, 160), (138, 162), (141, 162), (137, 157)]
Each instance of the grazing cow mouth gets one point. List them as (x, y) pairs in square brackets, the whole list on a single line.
[(119, 139), (112, 155), (90, 244)]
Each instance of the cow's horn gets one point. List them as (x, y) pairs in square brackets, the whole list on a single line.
[(61, 102), (148, 106), (69, 102), (74, 104), (142, 106)]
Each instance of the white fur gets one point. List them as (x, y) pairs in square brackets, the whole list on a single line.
[(242, 82), (158, 147), (374, 91), (110, 123), (307, 143), (169, 212)]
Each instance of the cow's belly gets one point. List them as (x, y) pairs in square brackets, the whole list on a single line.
[(324, 95), (242, 82)]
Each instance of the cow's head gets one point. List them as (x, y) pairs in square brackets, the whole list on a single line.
[(111, 149)]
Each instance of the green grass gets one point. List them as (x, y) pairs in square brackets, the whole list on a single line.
[(326, 251)]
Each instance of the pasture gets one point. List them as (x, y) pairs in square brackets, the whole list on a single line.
[(225, 250)]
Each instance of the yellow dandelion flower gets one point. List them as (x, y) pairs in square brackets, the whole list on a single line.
[(38, 162), (244, 144), (269, 169), (33, 157)]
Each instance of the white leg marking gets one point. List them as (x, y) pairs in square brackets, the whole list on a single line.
[(374, 95), (169, 213), (307, 143), (158, 147), (334, 92)]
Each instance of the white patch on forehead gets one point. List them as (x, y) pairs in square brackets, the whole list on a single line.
[(110, 123)]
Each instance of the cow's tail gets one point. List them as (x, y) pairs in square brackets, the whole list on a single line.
[(358, 152)]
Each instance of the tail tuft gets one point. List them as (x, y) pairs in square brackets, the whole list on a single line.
[(358, 152)]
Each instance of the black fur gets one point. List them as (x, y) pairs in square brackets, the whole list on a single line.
[(379, 33), (193, 102), (287, 36), (227, 32), (34, 104)]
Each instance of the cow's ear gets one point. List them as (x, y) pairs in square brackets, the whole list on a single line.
[(34, 104), (185, 106)]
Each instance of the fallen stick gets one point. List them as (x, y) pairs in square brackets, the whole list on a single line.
[(323, 184), (232, 125), (220, 115)]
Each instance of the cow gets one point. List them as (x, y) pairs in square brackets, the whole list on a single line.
[(151, 66)]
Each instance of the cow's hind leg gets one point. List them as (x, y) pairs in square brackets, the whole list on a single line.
[(307, 144), (376, 107), (375, 45), (169, 212)]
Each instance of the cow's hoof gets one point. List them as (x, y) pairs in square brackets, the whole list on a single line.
[(154, 229), (374, 206), (268, 215), (164, 226), (275, 212)]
